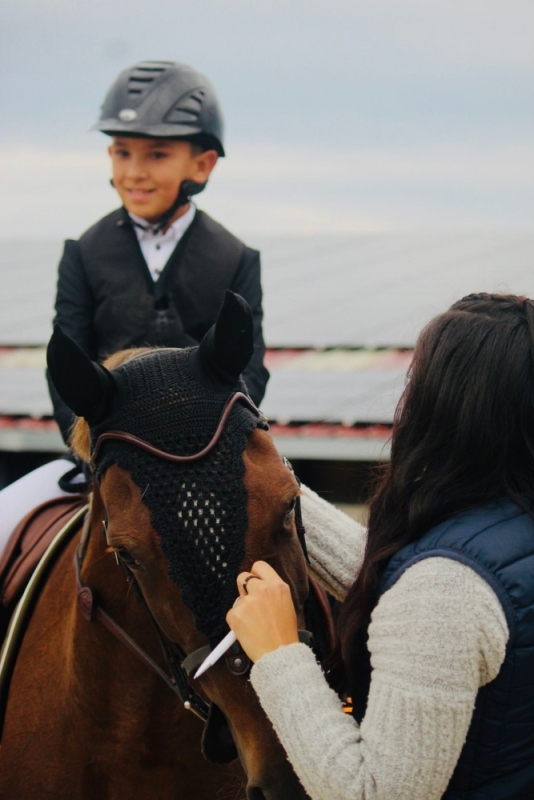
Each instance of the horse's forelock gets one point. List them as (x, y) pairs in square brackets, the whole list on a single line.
[(80, 439)]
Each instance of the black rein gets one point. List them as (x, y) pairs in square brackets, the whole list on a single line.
[(174, 655)]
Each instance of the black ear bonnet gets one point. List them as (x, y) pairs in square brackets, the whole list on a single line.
[(174, 399)]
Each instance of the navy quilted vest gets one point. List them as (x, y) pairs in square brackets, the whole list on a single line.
[(497, 541)]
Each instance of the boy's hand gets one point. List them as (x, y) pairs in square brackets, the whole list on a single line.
[(263, 617)]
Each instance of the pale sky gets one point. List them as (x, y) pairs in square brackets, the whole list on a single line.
[(341, 115)]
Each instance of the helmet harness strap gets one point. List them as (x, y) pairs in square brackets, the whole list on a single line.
[(185, 192)]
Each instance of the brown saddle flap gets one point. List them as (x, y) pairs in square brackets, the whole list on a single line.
[(29, 541)]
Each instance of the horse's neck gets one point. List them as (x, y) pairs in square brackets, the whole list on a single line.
[(86, 718)]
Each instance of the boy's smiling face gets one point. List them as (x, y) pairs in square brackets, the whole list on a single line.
[(147, 173)]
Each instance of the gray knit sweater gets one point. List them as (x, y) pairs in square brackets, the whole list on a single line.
[(424, 682)]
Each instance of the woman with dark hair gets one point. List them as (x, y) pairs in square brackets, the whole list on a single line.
[(436, 632)]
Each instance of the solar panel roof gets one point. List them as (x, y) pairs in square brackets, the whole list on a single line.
[(335, 386), (330, 304), (378, 290), (327, 404), (337, 291), (332, 387)]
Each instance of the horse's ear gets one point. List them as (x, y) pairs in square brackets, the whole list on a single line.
[(87, 388), (228, 346)]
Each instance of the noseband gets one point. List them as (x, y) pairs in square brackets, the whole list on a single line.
[(181, 667)]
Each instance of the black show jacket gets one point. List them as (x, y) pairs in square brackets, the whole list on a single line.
[(107, 300)]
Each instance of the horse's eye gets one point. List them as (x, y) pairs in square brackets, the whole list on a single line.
[(291, 511), (127, 558)]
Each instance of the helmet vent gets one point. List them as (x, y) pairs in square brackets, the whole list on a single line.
[(142, 76), (188, 108)]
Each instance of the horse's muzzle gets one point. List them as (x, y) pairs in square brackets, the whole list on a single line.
[(280, 784)]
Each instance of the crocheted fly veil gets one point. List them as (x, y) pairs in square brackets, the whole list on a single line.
[(173, 399), (198, 509)]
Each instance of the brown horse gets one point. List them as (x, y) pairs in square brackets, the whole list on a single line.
[(85, 718)]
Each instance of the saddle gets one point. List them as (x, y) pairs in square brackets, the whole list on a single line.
[(29, 542), (31, 550)]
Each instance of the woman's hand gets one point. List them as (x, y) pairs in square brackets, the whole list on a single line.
[(263, 617)]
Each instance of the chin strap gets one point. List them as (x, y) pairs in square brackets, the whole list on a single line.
[(186, 191)]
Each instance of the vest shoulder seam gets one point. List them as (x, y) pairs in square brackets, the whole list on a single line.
[(219, 228), (113, 216)]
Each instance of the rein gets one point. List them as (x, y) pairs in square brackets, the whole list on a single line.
[(174, 656)]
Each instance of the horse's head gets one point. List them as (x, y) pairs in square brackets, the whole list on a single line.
[(201, 498)]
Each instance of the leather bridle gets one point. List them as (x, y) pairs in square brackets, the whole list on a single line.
[(173, 654), (180, 666)]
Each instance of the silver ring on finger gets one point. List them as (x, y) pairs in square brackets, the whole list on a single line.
[(247, 579)]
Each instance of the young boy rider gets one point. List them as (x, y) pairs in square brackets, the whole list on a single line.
[(155, 271)]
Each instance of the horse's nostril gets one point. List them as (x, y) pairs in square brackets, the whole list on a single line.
[(255, 793), (278, 783)]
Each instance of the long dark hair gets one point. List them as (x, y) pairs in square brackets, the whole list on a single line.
[(463, 435)]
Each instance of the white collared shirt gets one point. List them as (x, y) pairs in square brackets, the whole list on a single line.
[(157, 247)]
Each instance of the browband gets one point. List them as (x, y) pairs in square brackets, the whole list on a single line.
[(130, 439)]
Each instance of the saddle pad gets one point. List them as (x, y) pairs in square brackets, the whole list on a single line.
[(29, 541)]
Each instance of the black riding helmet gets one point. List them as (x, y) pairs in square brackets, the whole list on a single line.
[(167, 100)]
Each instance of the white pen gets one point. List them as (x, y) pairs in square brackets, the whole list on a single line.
[(215, 654)]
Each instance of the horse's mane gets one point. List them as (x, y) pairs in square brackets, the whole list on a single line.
[(80, 437)]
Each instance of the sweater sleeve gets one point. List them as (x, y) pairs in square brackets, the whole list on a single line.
[(423, 689), (247, 283), (336, 543)]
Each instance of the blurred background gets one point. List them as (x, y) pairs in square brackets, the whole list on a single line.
[(380, 154)]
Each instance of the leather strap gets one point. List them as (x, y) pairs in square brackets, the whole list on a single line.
[(140, 443), (91, 610), (195, 659)]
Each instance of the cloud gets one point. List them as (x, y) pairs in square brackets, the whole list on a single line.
[(272, 188), (393, 34), (310, 54), (499, 166)]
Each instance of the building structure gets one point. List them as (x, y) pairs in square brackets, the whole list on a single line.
[(342, 314)]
